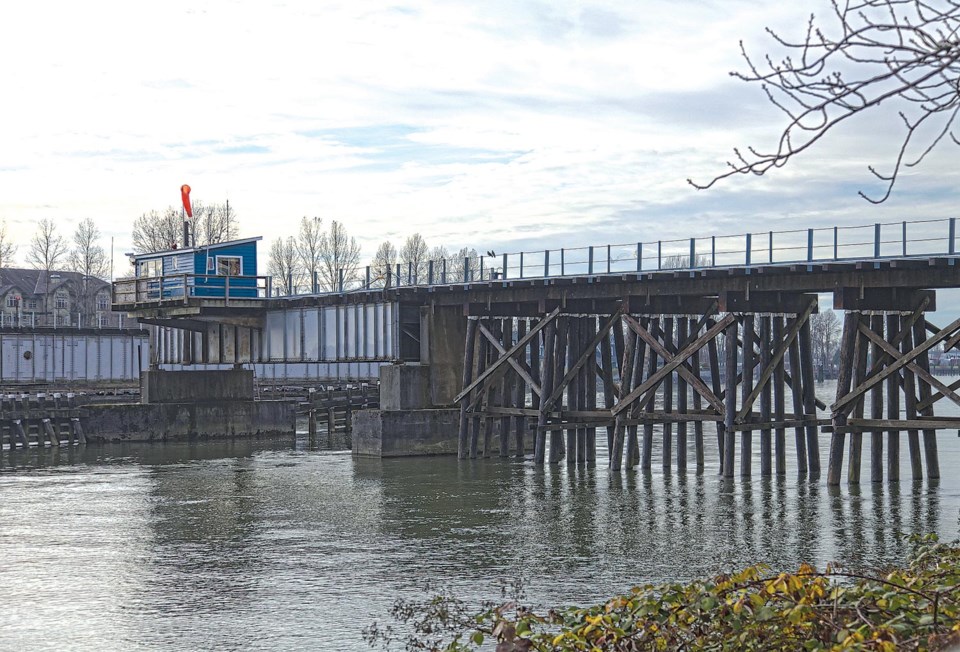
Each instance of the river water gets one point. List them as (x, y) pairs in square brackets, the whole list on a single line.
[(277, 545)]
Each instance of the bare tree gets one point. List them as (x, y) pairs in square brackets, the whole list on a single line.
[(824, 332), (89, 259), (87, 256), (414, 256), (7, 248), (680, 261), (464, 266), (283, 266), (154, 231), (214, 223), (339, 253), (309, 245), (47, 247), (901, 53), (383, 265)]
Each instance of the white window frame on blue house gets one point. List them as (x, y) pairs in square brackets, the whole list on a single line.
[(224, 265), (151, 268)]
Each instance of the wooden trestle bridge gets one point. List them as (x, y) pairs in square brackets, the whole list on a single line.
[(731, 346), (634, 340)]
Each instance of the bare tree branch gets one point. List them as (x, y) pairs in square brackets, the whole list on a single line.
[(87, 256), (47, 247), (414, 255), (7, 248), (382, 266), (309, 245), (339, 253), (903, 53), (155, 232), (283, 266)]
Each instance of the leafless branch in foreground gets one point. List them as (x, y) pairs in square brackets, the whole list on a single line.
[(904, 53)]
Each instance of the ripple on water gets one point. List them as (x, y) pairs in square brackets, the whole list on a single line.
[(261, 545)]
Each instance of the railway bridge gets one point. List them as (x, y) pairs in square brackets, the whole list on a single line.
[(540, 351)]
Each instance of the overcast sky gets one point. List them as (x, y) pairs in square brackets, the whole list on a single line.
[(502, 125)]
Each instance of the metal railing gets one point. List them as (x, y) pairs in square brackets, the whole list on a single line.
[(182, 287), (903, 239), (881, 240)]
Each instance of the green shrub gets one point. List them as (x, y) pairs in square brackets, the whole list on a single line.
[(915, 607)]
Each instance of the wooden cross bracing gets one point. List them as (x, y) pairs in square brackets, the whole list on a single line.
[(649, 367), (898, 346), (545, 376)]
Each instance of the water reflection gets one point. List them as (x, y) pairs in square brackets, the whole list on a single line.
[(291, 543)]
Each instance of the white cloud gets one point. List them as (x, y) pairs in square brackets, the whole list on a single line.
[(485, 124)]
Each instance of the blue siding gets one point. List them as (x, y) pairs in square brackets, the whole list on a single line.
[(215, 287), (196, 262)]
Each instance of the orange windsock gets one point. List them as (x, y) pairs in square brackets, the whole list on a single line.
[(185, 195)]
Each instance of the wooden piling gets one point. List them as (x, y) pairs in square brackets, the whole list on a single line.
[(536, 371), (481, 365), (856, 438), (590, 388), (910, 405), (682, 326), (546, 373), (796, 394), (586, 337), (809, 398), (492, 398), (618, 346), (716, 383), (626, 380), (606, 361), (520, 398), (746, 388), (77, 429), (647, 453), (876, 406), (21, 433), (929, 436), (47, 428), (557, 451), (730, 399), (766, 395), (633, 447), (893, 406), (779, 403), (667, 446), (694, 332), (506, 392), (573, 353), (844, 377)]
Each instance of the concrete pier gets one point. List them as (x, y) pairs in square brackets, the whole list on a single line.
[(183, 421), (417, 414), (178, 405), (404, 433)]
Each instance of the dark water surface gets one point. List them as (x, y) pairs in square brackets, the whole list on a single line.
[(272, 545)]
